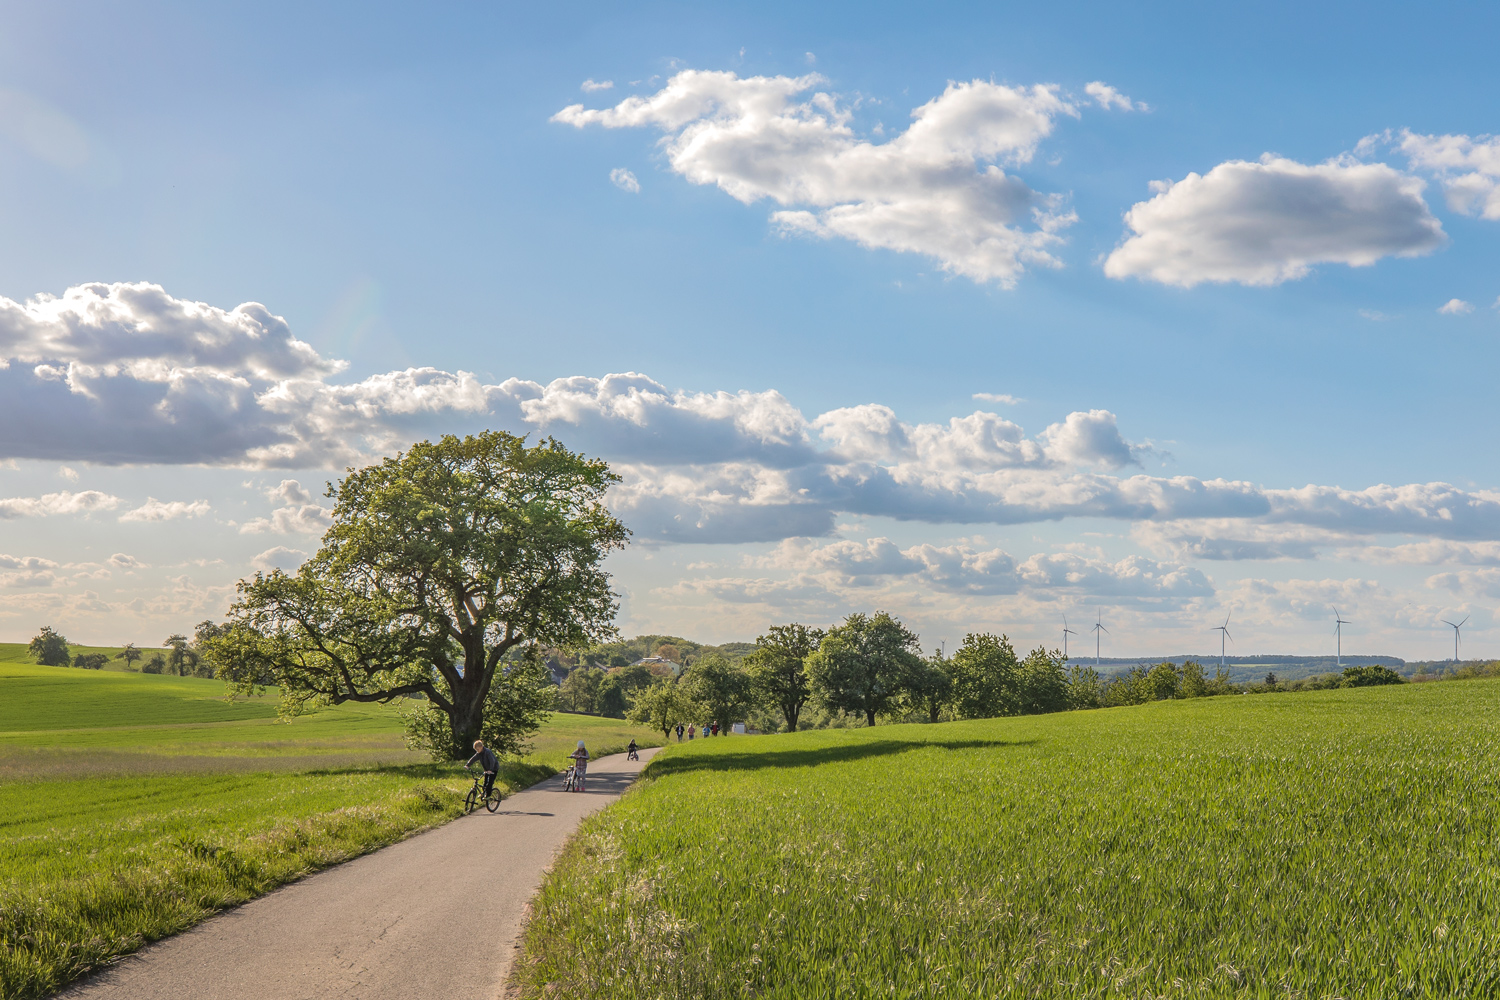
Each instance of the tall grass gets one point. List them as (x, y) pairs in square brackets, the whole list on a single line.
[(1331, 844)]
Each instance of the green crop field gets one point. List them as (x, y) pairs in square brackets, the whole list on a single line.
[(1320, 845), (134, 805)]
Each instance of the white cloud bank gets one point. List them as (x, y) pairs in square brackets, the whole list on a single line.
[(698, 466), (1262, 223), (938, 189)]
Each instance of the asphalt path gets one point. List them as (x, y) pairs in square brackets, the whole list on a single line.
[(437, 915)]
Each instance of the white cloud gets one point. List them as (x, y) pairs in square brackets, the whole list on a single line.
[(30, 572), (289, 492), (303, 519), (1110, 98), (279, 557), (624, 180), (122, 561), (53, 504), (1469, 169), (71, 475), (1267, 222), (1455, 307), (158, 510), (1091, 438), (938, 189), (997, 397), (592, 86)]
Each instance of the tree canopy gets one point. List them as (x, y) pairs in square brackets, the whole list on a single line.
[(49, 648), (778, 668), (984, 672), (864, 663), (721, 688), (439, 562)]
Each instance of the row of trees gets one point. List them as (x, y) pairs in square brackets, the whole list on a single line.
[(866, 668), (183, 657)]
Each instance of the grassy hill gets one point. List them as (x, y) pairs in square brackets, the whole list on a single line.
[(1329, 844), (133, 805)]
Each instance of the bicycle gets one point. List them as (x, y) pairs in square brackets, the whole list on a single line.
[(570, 778), (476, 794), (633, 755)]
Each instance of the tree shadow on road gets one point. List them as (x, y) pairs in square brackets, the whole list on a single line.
[(739, 755)]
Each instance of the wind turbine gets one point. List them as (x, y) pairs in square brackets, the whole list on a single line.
[(1223, 631), (1098, 628), (1338, 630), (1066, 632), (1455, 628)]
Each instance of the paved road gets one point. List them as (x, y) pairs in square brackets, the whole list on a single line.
[(433, 916)]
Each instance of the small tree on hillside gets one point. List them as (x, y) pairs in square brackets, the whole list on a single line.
[(661, 706), (154, 664), (181, 659), (931, 686), (864, 664), (130, 654), (1370, 676), (720, 687), (1043, 686), (985, 679), (90, 661), (778, 668), (579, 691), (49, 648)]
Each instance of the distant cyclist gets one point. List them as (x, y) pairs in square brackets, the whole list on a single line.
[(489, 762), (580, 763), (632, 752)]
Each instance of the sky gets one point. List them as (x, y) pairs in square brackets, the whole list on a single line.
[(985, 315)]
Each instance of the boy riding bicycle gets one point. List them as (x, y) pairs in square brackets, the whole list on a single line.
[(488, 761)]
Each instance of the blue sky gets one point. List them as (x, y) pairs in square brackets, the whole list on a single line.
[(397, 186)]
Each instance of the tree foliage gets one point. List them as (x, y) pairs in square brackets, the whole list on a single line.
[(721, 689), (1370, 676), (778, 668), (439, 562), (984, 672), (865, 663), (49, 648), (931, 686), (662, 705)]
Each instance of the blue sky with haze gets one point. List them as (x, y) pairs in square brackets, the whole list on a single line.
[(400, 188)]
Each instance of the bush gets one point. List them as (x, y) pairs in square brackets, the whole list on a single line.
[(1358, 677), (90, 661), (155, 665)]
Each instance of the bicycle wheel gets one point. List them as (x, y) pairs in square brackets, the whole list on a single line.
[(472, 800), (492, 801)]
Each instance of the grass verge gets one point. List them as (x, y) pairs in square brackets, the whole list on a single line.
[(1337, 844)]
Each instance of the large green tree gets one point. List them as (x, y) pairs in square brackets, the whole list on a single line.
[(49, 648), (985, 681), (778, 668), (661, 706), (720, 687), (438, 563), (865, 663), (930, 687)]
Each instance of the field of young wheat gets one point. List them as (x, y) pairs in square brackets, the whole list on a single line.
[(1333, 844)]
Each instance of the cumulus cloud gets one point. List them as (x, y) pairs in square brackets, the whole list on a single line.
[(997, 397), (120, 560), (51, 504), (1111, 99), (172, 510), (279, 557), (938, 189), (1456, 307), (1262, 223), (27, 571), (591, 86), (1468, 168), (624, 180)]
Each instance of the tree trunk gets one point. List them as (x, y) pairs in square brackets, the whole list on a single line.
[(791, 717), (870, 715), (467, 717)]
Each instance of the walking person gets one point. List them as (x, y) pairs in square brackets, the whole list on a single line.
[(580, 763), (679, 732), (690, 731)]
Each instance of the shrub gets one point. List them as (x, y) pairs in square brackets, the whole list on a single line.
[(1356, 677), (90, 661)]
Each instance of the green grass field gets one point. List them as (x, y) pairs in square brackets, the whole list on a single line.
[(134, 805), (1320, 845)]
